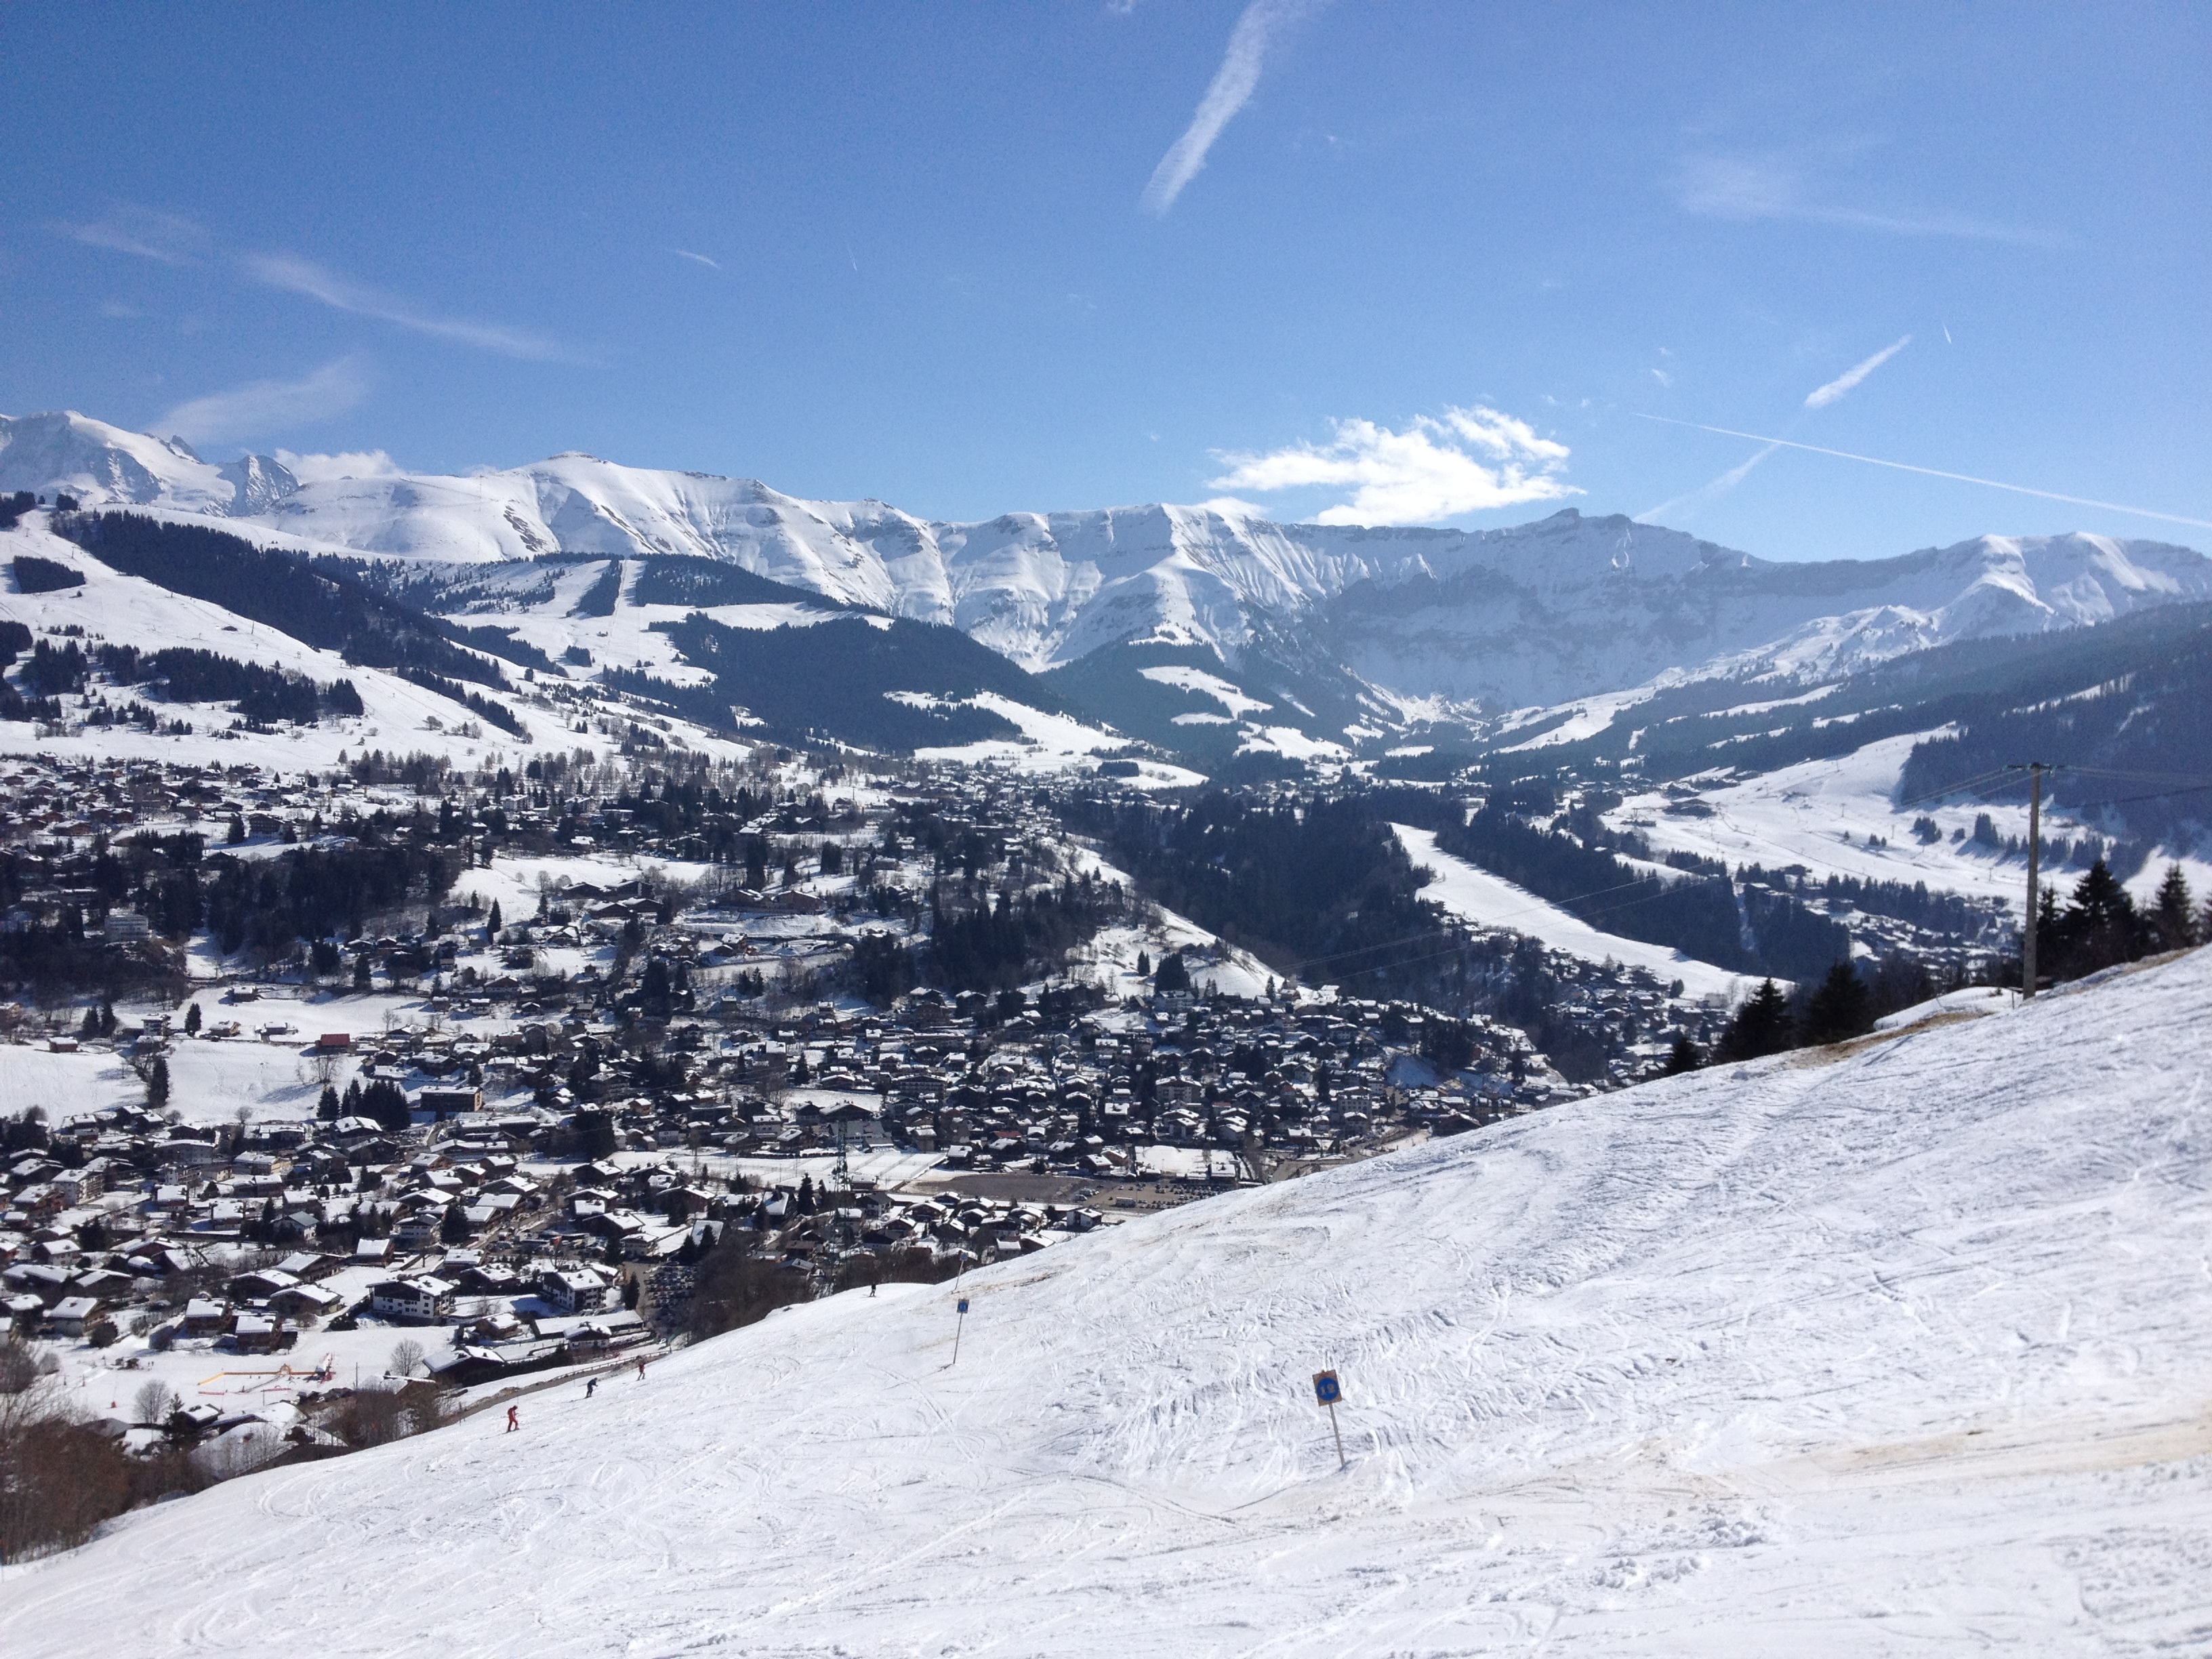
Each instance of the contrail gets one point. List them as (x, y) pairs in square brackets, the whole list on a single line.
[(1227, 93), (1822, 396), (1933, 472)]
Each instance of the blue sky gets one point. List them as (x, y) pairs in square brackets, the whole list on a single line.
[(1372, 261)]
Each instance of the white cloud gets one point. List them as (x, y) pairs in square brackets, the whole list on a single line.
[(1822, 396), (1227, 93), (148, 232), (295, 275), (1229, 507), (1746, 188), (349, 463), (1470, 460), (264, 406), (700, 258)]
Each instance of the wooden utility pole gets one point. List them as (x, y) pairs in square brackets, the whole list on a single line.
[(2035, 770)]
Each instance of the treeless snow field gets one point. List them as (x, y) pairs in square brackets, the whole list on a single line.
[(1903, 1351)]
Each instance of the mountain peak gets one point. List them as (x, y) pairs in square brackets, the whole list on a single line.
[(1565, 606)]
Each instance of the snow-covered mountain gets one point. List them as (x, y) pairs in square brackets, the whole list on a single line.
[(1901, 1351), (1534, 614), (103, 465)]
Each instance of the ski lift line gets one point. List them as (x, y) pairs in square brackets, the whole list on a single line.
[(2194, 779), (1969, 787), (2155, 794), (2009, 776), (2001, 777)]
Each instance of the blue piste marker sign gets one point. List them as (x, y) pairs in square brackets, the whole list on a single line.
[(1329, 1392)]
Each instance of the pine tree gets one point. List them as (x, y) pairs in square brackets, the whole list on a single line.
[(454, 1226), (386, 1102), (1761, 1026), (237, 832), (1144, 965), (192, 1020), (157, 1083), (494, 925), (89, 1027), (361, 980), (1683, 1056), (326, 1108), (2171, 917), (1840, 1009), (805, 1201), (2099, 926)]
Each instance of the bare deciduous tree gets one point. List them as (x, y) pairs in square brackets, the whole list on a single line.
[(153, 1404)]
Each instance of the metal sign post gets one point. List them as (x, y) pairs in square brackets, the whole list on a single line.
[(1327, 1390), (957, 1329)]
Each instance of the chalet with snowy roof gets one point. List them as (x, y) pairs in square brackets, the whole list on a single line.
[(572, 1290), (411, 1301)]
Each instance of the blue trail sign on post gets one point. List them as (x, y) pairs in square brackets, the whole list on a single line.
[(1328, 1391)]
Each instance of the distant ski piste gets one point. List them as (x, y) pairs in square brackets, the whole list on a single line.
[(1473, 894)]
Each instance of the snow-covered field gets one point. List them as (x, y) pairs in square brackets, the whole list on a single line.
[(209, 1081), (398, 715), (1904, 1352), (1470, 891), (1821, 813), (1049, 743)]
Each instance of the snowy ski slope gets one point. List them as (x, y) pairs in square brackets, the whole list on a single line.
[(1469, 891), (1908, 1351)]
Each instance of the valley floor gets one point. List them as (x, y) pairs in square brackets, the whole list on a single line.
[(1900, 1351)]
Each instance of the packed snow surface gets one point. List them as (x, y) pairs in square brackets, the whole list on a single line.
[(1903, 1351), (1472, 893)]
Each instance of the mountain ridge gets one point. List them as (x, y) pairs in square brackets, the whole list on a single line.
[(1480, 621)]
